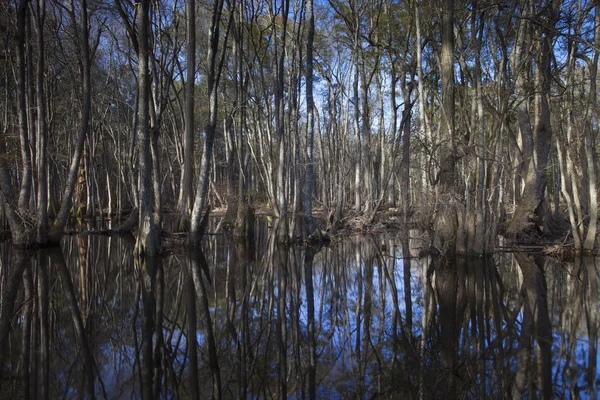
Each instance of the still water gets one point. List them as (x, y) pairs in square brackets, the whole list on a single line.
[(358, 319)]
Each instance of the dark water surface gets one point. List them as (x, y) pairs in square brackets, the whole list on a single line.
[(355, 320)]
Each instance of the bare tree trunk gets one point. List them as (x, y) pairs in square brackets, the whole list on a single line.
[(230, 156), (84, 127), (215, 67), (531, 214), (357, 163), (156, 178), (445, 220), (520, 63), (15, 222), (480, 222), (26, 182), (185, 194), (280, 51), (310, 125), (147, 240), (405, 163), (42, 193), (424, 129), (590, 239)]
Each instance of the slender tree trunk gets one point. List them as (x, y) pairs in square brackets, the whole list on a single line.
[(590, 239), (215, 67), (480, 225), (519, 65), (185, 196), (84, 127), (156, 178), (310, 126), (357, 163), (31, 101), (42, 194), (405, 163), (424, 129)]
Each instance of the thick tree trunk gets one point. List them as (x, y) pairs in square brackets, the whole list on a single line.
[(446, 217), (531, 215), (147, 240), (26, 182), (185, 194)]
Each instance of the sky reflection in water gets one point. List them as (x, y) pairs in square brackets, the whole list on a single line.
[(369, 322)]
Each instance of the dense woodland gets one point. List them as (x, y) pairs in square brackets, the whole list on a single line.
[(473, 117)]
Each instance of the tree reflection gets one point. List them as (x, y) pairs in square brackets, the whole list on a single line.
[(59, 263), (251, 319)]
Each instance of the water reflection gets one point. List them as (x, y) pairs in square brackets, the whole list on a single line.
[(251, 320)]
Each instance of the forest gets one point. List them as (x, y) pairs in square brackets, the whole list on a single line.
[(468, 119)]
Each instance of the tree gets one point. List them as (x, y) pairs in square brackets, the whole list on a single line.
[(215, 67), (532, 214), (310, 126), (446, 218), (147, 241), (186, 190)]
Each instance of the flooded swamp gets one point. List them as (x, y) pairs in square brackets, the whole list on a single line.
[(361, 318)]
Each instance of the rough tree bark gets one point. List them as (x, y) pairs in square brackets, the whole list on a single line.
[(147, 240), (26, 182), (215, 66), (280, 53), (84, 127), (310, 127), (445, 218), (42, 137), (531, 216), (185, 194)]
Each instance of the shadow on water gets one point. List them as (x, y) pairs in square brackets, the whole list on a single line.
[(249, 319)]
